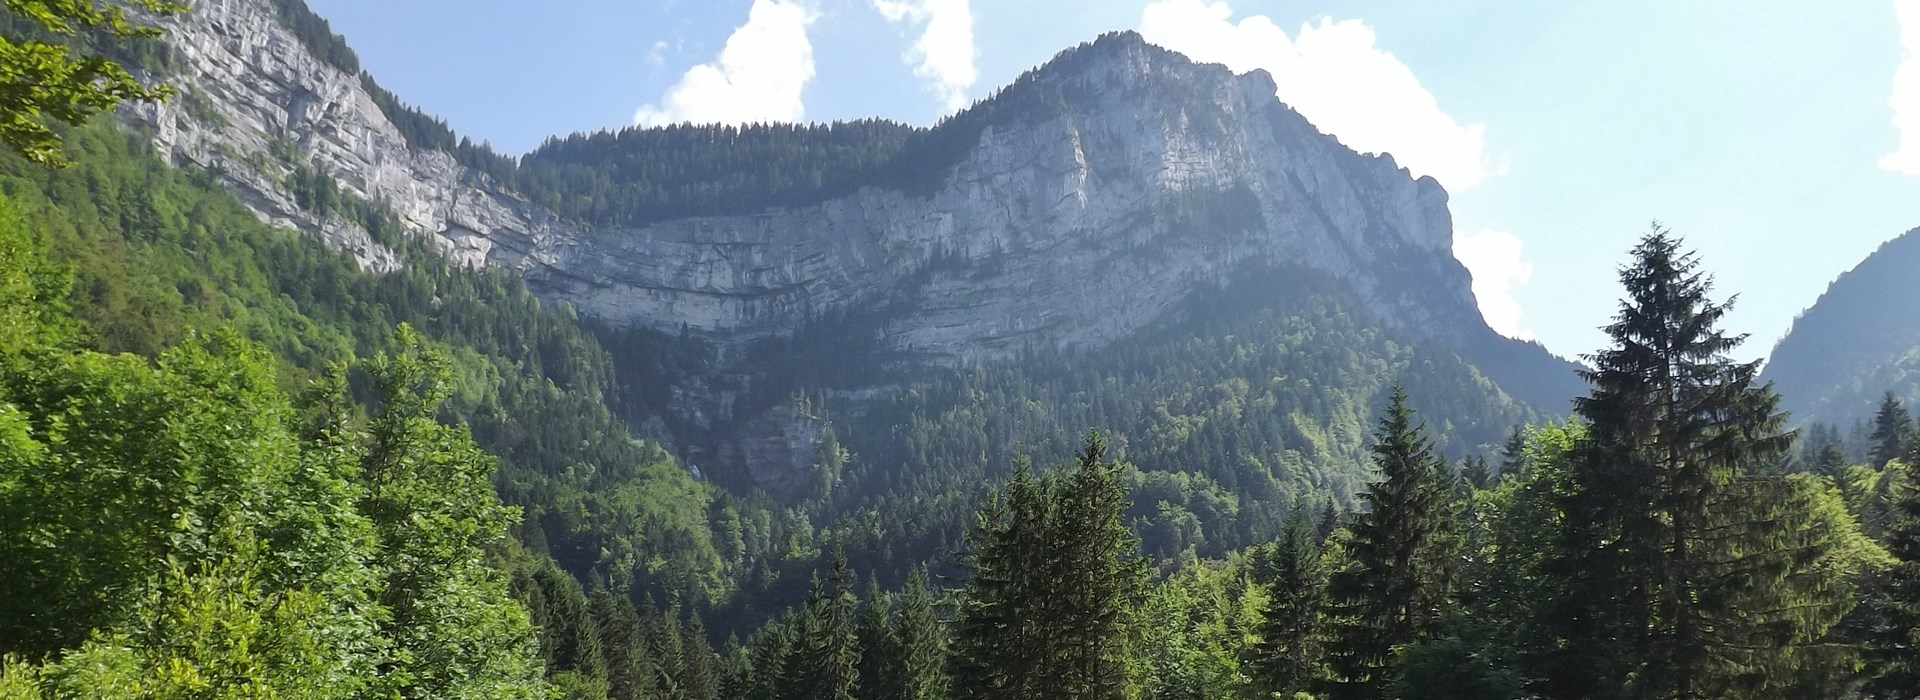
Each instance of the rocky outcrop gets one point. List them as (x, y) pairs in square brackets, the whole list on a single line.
[(1067, 229)]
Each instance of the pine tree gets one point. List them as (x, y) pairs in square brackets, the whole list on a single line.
[(828, 660), (1474, 471), (923, 642), (1398, 577), (1513, 455), (698, 680), (997, 643), (1101, 577), (880, 650), (772, 659), (1328, 521), (1892, 431), (1287, 659), (1894, 642), (1682, 574), (1055, 573)]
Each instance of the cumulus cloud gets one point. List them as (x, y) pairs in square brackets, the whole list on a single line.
[(758, 76), (1906, 92), (1498, 266), (1335, 75), (944, 54)]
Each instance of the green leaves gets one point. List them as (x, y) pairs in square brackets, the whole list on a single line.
[(42, 81)]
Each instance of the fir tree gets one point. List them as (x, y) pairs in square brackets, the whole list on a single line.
[(997, 643), (1894, 641), (771, 660), (828, 660), (922, 638), (1474, 471), (698, 680), (1682, 575), (1288, 657), (1513, 454), (1398, 577), (1892, 431), (1101, 576), (1055, 573), (880, 650)]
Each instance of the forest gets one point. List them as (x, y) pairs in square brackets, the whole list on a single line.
[(234, 464)]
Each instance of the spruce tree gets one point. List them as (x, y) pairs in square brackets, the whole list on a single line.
[(1397, 580), (1055, 575), (1682, 574), (880, 652), (923, 642), (1892, 431), (698, 679), (1894, 641), (772, 660), (1287, 658), (1513, 454), (828, 660), (1474, 471), (997, 643), (1101, 577)]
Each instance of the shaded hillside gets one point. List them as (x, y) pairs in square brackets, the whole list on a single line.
[(1859, 340)]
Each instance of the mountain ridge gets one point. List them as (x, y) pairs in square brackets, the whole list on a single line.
[(1091, 198)]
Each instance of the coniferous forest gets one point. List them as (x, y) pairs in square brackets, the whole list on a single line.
[(235, 464)]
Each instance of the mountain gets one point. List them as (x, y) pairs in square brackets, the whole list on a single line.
[(1077, 206), (1858, 341)]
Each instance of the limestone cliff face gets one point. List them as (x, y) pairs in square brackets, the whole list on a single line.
[(1067, 227)]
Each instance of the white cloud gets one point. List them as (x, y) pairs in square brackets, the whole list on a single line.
[(1334, 75), (1498, 266), (657, 56), (1906, 92), (757, 78), (944, 54)]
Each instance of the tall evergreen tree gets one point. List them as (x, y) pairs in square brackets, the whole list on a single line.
[(1287, 659), (1101, 576), (880, 650), (1894, 643), (1474, 471), (1892, 431), (1055, 573), (923, 642), (1682, 574), (828, 660), (1397, 580), (997, 642), (629, 676), (1513, 454), (698, 678)]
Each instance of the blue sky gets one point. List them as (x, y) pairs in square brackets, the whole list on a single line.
[(1781, 139)]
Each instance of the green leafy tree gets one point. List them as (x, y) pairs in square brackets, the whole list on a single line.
[(1397, 579), (43, 80)]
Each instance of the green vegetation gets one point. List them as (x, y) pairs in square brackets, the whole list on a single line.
[(48, 70)]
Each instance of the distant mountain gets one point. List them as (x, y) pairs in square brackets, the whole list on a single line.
[(853, 329), (1859, 340)]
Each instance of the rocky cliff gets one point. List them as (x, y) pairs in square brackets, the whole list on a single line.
[(1069, 226)]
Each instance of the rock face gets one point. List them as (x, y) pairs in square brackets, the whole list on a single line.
[(1068, 229)]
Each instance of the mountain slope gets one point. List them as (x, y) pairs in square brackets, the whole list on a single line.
[(1859, 340), (852, 329)]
